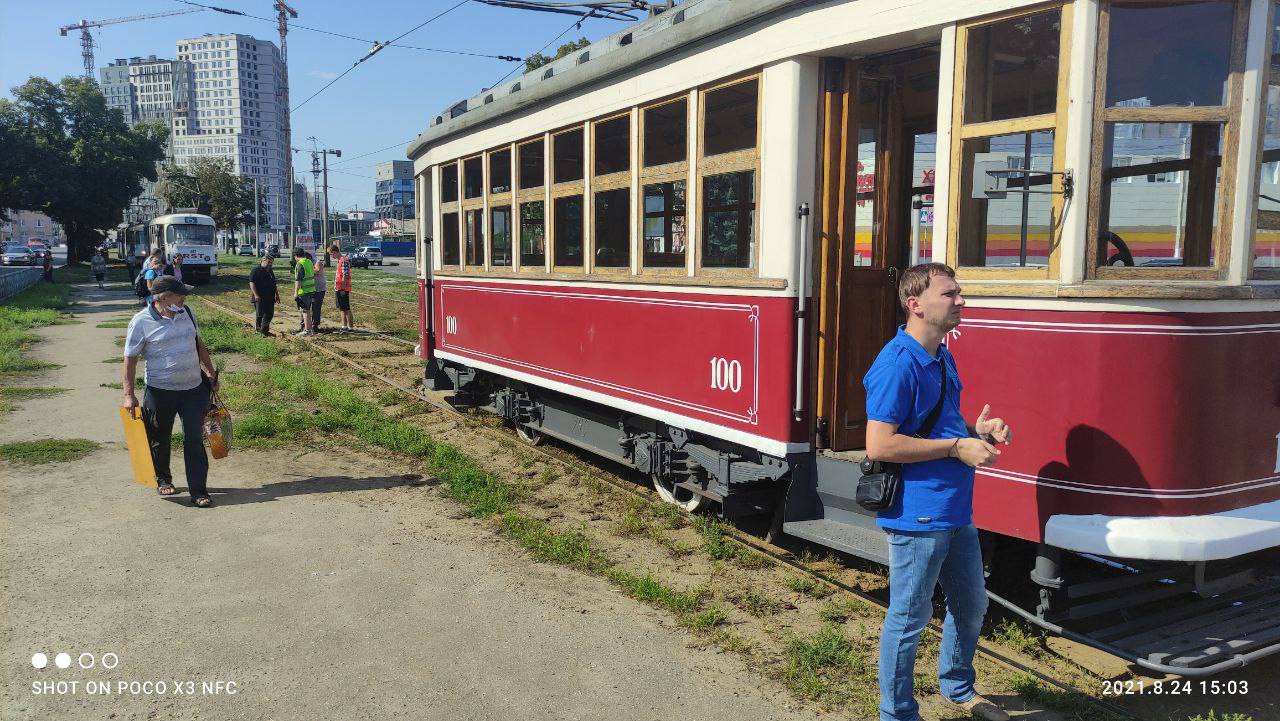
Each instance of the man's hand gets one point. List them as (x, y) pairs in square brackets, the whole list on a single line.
[(130, 403), (975, 452), (994, 429)]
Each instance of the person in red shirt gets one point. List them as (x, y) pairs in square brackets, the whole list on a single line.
[(342, 286)]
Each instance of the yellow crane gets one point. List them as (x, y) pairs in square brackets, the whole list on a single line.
[(86, 40)]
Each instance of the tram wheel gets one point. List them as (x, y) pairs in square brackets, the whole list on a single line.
[(677, 496), (530, 435)]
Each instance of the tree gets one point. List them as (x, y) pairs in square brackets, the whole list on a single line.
[(537, 60), (76, 160), (208, 185)]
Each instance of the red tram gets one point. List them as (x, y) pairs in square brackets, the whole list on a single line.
[(679, 248)]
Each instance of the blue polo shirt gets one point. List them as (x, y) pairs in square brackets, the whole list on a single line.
[(902, 388)]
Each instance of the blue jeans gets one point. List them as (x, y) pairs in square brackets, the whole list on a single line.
[(919, 560)]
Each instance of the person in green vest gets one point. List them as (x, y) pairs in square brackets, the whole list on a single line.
[(304, 287)]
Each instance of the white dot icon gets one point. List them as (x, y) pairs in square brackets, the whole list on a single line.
[(39, 660), (62, 660)]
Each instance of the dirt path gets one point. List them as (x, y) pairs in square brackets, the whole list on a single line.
[(323, 585)]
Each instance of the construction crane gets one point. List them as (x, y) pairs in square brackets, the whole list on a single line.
[(86, 40)]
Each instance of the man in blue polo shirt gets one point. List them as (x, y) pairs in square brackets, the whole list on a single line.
[(932, 539)]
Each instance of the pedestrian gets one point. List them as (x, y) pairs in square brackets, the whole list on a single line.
[(179, 378), (99, 265), (321, 286), (176, 266), (932, 539), (48, 267), (342, 287), (152, 269), (266, 294), (304, 288)]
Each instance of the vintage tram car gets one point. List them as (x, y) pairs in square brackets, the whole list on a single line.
[(679, 248)]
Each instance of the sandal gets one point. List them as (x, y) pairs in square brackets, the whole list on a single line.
[(202, 502), (166, 488)]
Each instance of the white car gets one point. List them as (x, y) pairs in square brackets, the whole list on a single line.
[(17, 254), (371, 254)]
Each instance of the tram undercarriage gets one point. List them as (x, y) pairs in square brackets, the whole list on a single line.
[(1188, 619)]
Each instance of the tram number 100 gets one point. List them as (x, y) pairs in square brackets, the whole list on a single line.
[(726, 375)]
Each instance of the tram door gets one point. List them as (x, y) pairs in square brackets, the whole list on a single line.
[(878, 119)]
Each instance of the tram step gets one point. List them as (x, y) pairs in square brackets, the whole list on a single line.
[(849, 535)]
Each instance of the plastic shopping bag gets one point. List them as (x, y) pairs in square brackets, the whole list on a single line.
[(217, 429)]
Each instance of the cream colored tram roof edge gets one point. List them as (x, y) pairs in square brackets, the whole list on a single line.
[(688, 23)]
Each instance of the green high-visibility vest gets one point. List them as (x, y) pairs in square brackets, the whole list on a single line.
[(308, 284)]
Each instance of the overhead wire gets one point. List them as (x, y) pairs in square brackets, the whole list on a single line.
[(300, 26)]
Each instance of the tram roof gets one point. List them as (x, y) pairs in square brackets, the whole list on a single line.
[(639, 44)]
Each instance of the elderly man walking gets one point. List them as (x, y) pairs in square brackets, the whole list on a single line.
[(913, 418), (166, 337)]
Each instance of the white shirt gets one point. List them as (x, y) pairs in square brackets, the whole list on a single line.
[(167, 347)]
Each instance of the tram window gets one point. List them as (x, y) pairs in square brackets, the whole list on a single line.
[(1266, 241), (567, 238), (474, 227), (449, 183), (1161, 184), (730, 120), (612, 228), (1014, 231), (666, 135), (449, 251), (664, 225), (1012, 67), (613, 146), (500, 171), (531, 164), (500, 236), (1168, 54), (567, 156), (728, 212), (533, 234), (473, 177)]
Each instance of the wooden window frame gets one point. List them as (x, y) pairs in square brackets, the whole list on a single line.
[(492, 199), (736, 161), (526, 195), (1252, 271), (467, 204), (1055, 121), (609, 181), (665, 173), (566, 189), (462, 177), (1226, 115), (443, 208)]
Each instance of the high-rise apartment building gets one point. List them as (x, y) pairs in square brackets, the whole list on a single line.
[(393, 189), (148, 89), (234, 114)]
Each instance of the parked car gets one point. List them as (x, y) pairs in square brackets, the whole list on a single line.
[(357, 260), (245, 250), (17, 254), (371, 254), (39, 250), (273, 250)]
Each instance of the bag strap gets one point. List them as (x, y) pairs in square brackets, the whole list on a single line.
[(931, 420)]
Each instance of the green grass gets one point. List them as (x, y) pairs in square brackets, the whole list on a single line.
[(1074, 706), (841, 611), (113, 324), (35, 307), (1018, 636), (571, 548), (759, 604), (1213, 716), (808, 586), (647, 588), (49, 450), (825, 667), (20, 393), (222, 334)]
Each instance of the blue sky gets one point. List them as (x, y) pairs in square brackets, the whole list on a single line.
[(388, 99)]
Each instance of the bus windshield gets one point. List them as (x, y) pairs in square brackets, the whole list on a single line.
[(190, 235)]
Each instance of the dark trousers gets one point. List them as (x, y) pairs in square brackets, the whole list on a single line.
[(159, 407), (315, 310), (48, 275), (266, 310)]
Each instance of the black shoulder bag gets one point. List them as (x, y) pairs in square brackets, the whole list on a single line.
[(881, 482)]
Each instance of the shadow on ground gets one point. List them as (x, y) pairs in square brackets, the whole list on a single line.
[(303, 487)]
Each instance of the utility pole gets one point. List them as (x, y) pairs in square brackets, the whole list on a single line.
[(283, 13), (324, 154), (257, 239)]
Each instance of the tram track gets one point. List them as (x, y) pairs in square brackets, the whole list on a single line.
[(566, 460)]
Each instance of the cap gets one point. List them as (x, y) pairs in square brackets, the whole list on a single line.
[(169, 284)]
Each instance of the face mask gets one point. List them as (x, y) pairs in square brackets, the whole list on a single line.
[(174, 308)]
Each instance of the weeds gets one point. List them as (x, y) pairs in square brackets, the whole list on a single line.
[(1213, 716), (571, 549), (48, 450), (819, 667), (21, 393), (113, 324), (34, 307), (759, 604), (1076, 706), (644, 587), (807, 586), (1018, 637)]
